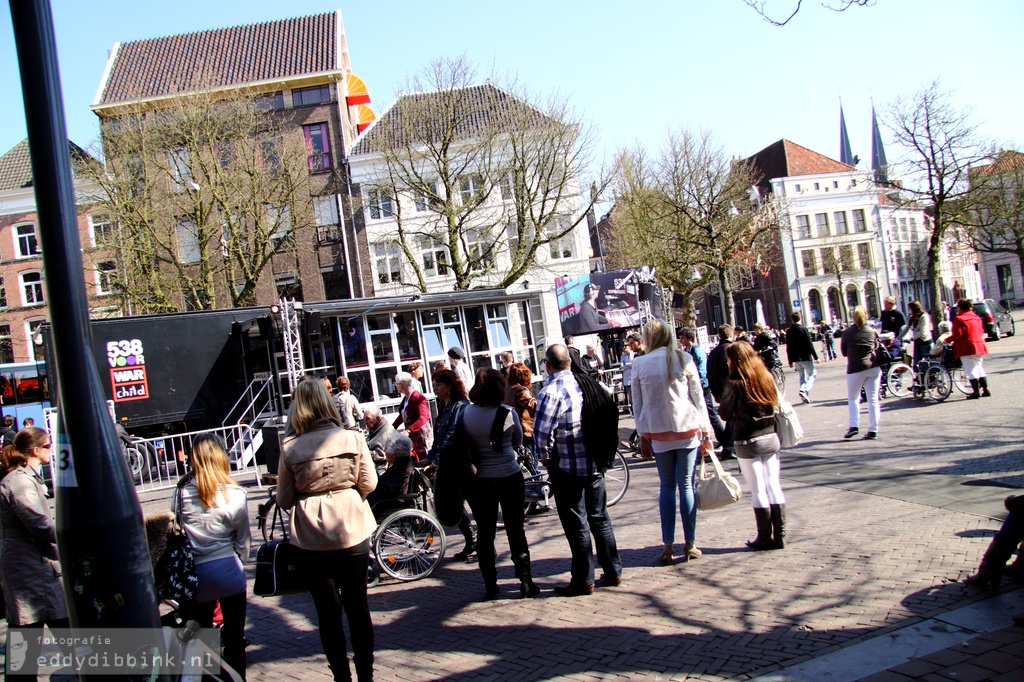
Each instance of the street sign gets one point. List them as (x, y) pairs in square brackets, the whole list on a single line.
[(796, 302)]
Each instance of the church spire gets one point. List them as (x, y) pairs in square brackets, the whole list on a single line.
[(845, 154), (878, 163)]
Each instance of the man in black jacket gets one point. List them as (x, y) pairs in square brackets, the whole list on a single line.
[(892, 319), (801, 354), (718, 372)]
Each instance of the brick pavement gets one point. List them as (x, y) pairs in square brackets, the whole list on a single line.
[(857, 566)]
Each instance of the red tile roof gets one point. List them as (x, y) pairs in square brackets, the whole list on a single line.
[(16, 165), (785, 159), (1005, 162), (144, 69)]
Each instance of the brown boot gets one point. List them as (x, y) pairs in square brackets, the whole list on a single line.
[(778, 516), (763, 541)]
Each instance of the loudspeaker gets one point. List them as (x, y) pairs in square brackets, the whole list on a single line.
[(678, 300), (271, 449), (646, 291), (313, 324), (266, 328)]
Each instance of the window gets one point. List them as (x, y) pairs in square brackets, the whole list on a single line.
[(180, 166), (279, 224), (864, 255), (840, 220), (913, 229), (803, 227), (28, 246), (318, 146), (106, 277), (506, 188), (853, 183), (894, 229), (34, 349), (821, 221), (846, 257), (325, 212), (335, 284), (816, 187), (426, 197), (32, 287), (796, 187), (304, 97), (3, 293), (810, 264), (835, 184), (6, 344), (471, 188), (271, 102), (904, 232), (225, 152), (288, 286), (388, 256), (135, 169), (102, 229), (435, 257), (858, 220), (380, 204), (561, 247), (188, 242), (481, 249)]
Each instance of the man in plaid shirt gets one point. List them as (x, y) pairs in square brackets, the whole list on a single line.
[(578, 486)]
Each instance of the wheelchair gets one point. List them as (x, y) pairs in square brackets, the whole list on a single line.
[(408, 543)]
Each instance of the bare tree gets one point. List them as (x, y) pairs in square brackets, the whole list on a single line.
[(492, 172), (940, 145), (203, 193), (690, 211), (997, 223), (839, 6)]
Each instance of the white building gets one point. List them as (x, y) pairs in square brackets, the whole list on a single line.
[(407, 236)]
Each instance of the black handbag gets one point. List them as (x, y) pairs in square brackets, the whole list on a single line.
[(455, 473), (175, 573), (278, 569)]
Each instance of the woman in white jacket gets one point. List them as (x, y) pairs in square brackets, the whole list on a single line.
[(216, 519), (673, 424)]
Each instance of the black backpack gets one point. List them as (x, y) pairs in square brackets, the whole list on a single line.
[(599, 422)]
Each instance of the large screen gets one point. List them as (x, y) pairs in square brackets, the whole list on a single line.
[(600, 301)]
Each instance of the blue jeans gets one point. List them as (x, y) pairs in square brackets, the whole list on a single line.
[(921, 351), (805, 369), (675, 470), (583, 510)]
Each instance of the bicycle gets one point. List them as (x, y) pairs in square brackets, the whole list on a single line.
[(408, 543)]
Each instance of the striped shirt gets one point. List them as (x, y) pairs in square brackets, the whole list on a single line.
[(557, 433)]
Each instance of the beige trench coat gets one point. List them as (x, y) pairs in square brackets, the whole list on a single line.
[(28, 552), (325, 478)]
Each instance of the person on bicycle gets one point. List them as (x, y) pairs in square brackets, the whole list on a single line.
[(766, 347)]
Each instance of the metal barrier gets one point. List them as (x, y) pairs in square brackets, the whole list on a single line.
[(157, 463)]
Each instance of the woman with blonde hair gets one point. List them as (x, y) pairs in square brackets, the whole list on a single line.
[(325, 476), (348, 405), (29, 568), (749, 400), (672, 421), (858, 345), (215, 515)]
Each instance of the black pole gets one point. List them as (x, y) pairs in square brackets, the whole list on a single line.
[(108, 579)]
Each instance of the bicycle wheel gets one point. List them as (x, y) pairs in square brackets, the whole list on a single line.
[(938, 383), (616, 479), (273, 521), (780, 378), (409, 544), (900, 379), (960, 380)]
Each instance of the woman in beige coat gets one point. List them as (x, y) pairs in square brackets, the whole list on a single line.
[(28, 551), (326, 475)]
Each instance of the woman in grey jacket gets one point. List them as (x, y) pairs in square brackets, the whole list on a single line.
[(324, 479), (28, 551), (858, 345), (216, 519)]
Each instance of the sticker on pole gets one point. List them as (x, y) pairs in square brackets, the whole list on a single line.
[(65, 464)]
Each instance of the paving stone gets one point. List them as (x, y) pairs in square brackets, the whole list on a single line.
[(916, 668), (966, 672), (886, 676), (1001, 661)]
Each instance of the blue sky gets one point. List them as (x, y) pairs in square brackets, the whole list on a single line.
[(636, 70)]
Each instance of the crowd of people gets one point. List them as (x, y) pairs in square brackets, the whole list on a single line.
[(341, 460)]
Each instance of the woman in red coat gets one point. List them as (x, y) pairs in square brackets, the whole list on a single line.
[(969, 346), (415, 413)]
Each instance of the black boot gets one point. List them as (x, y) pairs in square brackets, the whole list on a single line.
[(778, 516), (990, 572), (467, 533), (364, 669), (764, 530), (488, 571), (975, 395), (524, 572), (984, 387)]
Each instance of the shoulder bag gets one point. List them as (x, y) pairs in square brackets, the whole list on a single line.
[(716, 488), (175, 573), (787, 425), (278, 567)]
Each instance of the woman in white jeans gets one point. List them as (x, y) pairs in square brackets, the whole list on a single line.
[(858, 345)]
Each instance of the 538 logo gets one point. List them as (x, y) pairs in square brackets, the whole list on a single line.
[(125, 352)]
